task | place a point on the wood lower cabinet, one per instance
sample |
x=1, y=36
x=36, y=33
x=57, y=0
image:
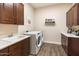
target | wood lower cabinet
x=64, y=42
x=73, y=47
x=70, y=45
x=21, y=48
x=4, y=52
x=25, y=47
x=15, y=49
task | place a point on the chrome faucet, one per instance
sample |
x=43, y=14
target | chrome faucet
x=10, y=35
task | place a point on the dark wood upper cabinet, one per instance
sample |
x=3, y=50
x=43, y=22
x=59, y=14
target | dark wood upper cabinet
x=20, y=13
x=1, y=10
x=8, y=13
x=67, y=19
x=12, y=13
x=72, y=16
x=75, y=14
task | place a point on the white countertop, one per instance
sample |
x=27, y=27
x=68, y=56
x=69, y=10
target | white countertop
x=5, y=42
x=70, y=35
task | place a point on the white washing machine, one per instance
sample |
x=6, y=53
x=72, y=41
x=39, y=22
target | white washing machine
x=36, y=41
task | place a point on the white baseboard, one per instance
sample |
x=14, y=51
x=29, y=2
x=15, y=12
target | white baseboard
x=59, y=43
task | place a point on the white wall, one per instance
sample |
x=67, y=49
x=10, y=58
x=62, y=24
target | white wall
x=52, y=34
x=28, y=15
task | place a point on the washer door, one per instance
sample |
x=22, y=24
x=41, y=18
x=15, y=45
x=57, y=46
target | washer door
x=39, y=41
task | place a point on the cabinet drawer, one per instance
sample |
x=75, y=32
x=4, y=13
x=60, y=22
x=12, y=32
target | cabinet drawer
x=4, y=52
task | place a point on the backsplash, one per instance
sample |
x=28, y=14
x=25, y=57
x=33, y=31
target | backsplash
x=75, y=28
x=6, y=29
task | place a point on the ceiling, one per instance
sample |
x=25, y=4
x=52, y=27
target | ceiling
x=37, y=5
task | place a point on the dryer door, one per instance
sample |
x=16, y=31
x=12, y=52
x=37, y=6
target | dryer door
x=39, y=41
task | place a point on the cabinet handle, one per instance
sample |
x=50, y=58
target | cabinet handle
x=4, y=54
x=6, y=20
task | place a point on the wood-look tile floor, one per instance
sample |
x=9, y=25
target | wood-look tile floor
x=51, y=50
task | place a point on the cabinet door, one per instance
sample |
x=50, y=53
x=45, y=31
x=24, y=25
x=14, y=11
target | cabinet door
x=77, y=13
x=64, y=42
x=1, y=10
x=26, y=47
x=7, y=15
x=15, y=50
x=73, y=48
x=71, y=15
x=67, y=19
x=75, y=7
x=4, y=52
x=20, y=14
x=12, y=13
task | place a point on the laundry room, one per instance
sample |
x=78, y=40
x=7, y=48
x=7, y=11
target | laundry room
x=39, y=29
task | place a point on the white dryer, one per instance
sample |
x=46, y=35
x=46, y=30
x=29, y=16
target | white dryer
x=36, y=41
